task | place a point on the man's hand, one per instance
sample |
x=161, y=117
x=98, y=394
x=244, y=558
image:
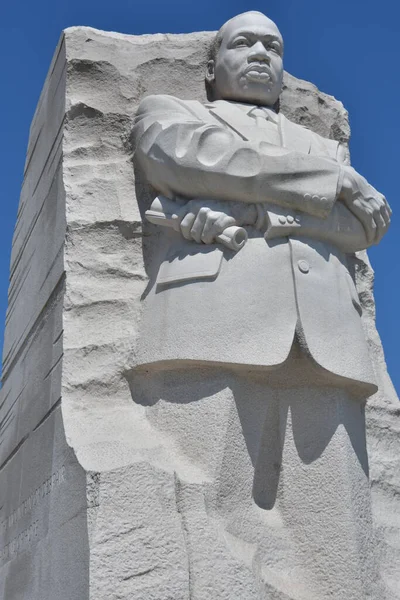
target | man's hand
x=367, y=204
x=202, y=220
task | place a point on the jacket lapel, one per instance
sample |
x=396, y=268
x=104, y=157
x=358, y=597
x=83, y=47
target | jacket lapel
x=232, y=116
x=293, y=137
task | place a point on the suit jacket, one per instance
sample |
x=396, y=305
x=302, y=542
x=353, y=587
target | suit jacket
x=210, y=305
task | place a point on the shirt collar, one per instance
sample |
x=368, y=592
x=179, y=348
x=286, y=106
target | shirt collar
x=270, y=114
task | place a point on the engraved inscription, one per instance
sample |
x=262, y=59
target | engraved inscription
x=25, y=538
x=20, y=542
x=27, y=505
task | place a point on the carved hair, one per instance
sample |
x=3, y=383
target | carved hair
x=217, y=41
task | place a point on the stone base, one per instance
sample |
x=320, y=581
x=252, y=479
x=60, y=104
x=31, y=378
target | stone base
x=272, y=486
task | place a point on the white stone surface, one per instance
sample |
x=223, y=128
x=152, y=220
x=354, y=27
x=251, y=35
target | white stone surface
x=43, y=521
x=247, y=316
x=304, y=439
x=142, y=521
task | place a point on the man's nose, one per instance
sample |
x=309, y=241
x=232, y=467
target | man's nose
x=258, y=52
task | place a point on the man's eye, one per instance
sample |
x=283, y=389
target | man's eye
x=275, y=47
x=241, y=42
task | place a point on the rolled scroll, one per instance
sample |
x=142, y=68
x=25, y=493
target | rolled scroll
x=163, y=211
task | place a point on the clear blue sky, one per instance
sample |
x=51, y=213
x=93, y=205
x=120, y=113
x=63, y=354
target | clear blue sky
x=348, y=48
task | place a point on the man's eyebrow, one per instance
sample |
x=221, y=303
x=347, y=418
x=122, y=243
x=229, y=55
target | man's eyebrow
x=269, y=36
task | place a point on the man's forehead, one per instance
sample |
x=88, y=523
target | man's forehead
x=250, y=22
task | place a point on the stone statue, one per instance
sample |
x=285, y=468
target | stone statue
x=235, y=168
x=184, y=370
x=252, y=290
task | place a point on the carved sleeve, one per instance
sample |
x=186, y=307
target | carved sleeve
x=343, y=155
x=340, y=228
x=182, y=155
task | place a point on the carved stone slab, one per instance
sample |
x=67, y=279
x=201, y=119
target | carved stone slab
x=94, y=500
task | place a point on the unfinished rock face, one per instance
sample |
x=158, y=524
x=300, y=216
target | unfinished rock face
x=95, y=501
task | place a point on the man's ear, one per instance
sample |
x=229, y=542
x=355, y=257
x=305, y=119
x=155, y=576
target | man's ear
x=210, y=71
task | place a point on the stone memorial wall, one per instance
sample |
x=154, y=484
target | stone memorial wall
x=96, y=502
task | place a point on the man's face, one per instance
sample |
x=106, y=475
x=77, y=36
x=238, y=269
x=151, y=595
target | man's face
x=249, y=66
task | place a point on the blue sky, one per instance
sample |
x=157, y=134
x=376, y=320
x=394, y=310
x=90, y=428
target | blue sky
x=348, y=48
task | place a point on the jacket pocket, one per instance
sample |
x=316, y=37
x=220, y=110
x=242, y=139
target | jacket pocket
x=201, y=262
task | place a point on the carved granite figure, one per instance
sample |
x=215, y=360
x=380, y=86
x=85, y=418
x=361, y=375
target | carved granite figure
x=237, y=161
x=251, y=288
x=155, y=441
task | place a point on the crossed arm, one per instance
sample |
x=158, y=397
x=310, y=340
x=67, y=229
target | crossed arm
x=183, y=156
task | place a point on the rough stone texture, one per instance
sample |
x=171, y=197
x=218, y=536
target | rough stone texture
x=120, y=500
x=42, y=486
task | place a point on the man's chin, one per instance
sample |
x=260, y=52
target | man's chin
x=257, y=97
x=256, y=91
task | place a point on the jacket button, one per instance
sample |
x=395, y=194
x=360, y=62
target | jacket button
x=303, y=265
x=282, y=220
x=290, y=219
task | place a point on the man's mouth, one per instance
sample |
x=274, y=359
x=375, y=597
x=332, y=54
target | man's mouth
x=260, y=67
x=258, y=72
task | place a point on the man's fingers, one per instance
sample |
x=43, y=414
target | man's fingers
x=215, y=224
x=386, y=213
x=367, y=204
x=374, y=214
x=370, y=228
x=186, y=215
x=202, y=224
x=380, y=226
x=187, y=224
x=198, y=225
x=210, y=228
x=365, y=215
x=381, y=216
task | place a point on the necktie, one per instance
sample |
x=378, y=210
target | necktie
x=261, y=115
